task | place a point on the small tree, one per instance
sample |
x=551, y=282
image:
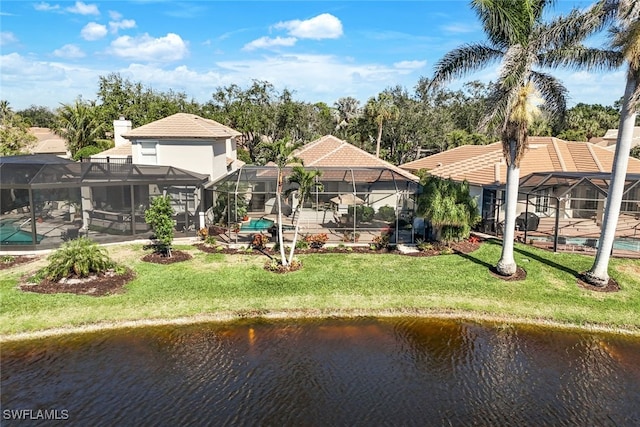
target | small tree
x=159, y=216
x=449, y=207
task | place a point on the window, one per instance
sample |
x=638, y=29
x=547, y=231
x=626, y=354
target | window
x=148, y=153
x=542, y=202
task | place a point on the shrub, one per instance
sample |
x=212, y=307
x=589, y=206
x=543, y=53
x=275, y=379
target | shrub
x=210, y=240
x=203, y=233
x=317, y=240
x=259, y=241
x=302, y=244
x=159, y=216
x=424, y=246
x=79, y=257
x=387, y=213
x=381, y=241
x=7, y=258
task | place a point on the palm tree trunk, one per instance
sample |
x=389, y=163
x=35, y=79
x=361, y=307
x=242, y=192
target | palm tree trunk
x=507, y=265
x=598, y=275
x=379, y=140
x=295, y=233
x=279, y=203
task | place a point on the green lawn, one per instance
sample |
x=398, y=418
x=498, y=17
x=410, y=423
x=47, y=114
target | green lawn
x=237, y=285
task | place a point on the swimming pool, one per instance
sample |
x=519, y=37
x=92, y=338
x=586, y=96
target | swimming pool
x=623, y=244
x=260, y=224
x=13, y=235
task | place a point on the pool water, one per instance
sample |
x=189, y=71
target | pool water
x=623, y=244
x=13, y=235
x=260, y=224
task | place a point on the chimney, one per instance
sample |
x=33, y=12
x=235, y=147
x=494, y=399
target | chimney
x=496, y=171
x=120, y=127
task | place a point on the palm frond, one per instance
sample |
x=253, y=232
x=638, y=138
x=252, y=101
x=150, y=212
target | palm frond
x=552, y=91
x=463, y=60
x=581, y=57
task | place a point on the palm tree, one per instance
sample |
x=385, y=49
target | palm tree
x=307, y=181
x=381, y=110
x=626, y=44
x=79, y=125
x=281, y=153
x=521, y=41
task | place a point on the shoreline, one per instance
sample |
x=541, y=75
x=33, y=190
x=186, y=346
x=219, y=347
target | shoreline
x=229, y=317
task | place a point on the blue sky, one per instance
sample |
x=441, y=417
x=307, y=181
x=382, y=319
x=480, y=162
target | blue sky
x=53, y=52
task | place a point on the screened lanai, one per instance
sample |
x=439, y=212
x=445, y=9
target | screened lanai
x=46, y=200
x=351, y=205
x=567, y=209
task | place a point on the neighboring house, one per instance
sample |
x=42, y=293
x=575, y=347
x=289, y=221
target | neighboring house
x=484, y=167
x=49, y=143
x=610, y=139
x=121, y=152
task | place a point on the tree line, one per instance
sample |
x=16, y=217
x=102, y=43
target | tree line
x=397, y=125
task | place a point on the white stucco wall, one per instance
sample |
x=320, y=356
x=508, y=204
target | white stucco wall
x=208, y=157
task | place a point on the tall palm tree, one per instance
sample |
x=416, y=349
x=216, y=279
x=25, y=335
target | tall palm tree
x=626, y=44
x=381, y=109
x=307, y=181
x=520, y=39
x=79, y=125
x=281, y=153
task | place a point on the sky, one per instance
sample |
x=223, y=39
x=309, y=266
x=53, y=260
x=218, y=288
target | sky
x=54, y=52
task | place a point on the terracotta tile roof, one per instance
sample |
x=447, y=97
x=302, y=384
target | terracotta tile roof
x=123, y=151
x=182, y=126
x=330, y=151
x=484, y=164
x=611, y=137
x=48, y=141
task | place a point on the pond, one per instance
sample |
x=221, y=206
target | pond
x=396, y=371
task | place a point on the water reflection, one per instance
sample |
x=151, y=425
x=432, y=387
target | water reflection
x=328, y=372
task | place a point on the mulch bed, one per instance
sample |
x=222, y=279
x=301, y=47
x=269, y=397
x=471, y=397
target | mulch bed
x=16, y=260
x=158, y=258
x=95, y=285
x=612, y=286
x=463, y=247
x=520, y=274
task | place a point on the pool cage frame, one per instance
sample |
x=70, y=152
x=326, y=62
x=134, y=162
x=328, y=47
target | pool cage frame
x=46, y=196
x=570, y=205
x=347, y=208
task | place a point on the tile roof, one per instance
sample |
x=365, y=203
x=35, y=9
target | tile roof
x=611, y=137
x=329, y=151
x=482, y=164
x=182, y=126
x=48, y=141
x=123, y=150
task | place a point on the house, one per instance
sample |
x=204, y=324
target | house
x=355, y=184
x=610, y=139
x=49, y=143
x=185, y=141
x=483, y=166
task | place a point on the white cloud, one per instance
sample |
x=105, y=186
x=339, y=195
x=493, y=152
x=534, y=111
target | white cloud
x=459, y=28
x=325, y=26
x=409, y=66
x=124, y=24
x=267, y=42
x=146, y=48
x=114, y=15
x=84, y=9
x=7, y=37
x=93, y=31
x=69, y=51
x=46, y=7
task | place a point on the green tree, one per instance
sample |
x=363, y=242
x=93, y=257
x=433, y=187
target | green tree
x=381, y=109
x=39, y=116
x=80, y=125
x=625, y=45
x=15, y=137
x=307, y=182
x=449, y=207
x=518, y=36
x=159, y=216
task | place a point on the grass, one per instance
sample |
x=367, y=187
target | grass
x=330, y=284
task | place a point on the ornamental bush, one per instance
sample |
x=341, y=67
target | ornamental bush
x=79, y=257
x=159, y=216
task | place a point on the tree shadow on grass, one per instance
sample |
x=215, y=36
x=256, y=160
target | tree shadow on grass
x=517, y=248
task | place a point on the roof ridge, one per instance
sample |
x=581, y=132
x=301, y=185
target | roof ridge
x=556, y=149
